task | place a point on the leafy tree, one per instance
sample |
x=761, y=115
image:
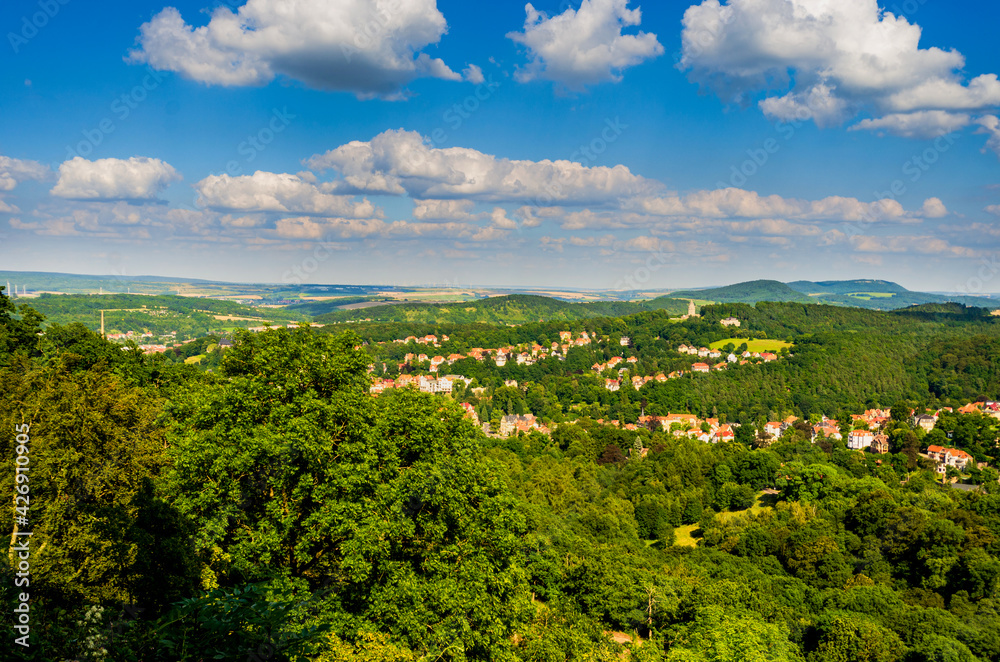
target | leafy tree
x=102, y=529
x=19, y=328
x=295, y=471
x=850, y=638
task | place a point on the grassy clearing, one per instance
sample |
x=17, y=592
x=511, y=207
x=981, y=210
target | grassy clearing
x=868, y=296
x=686, y=537
x=764, y=502
x=753, y=345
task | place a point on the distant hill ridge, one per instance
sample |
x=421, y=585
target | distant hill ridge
x=510, y=309
x=862, y=293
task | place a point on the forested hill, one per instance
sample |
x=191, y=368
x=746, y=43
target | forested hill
x=872, y=294
x=847, y=286
x=276, y=508
x=512, y=309
x=748, y=292
x=188, y=316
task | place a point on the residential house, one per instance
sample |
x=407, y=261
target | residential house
x=828, y=428
x=470, y=413
x=880, y=444
x=926, y=421
x=612, y=384
x=700, y=367
x=948, y=457
x=512, y=424
x=406, y=380
x=380, y=385
x=724, y=433
x=860, y=439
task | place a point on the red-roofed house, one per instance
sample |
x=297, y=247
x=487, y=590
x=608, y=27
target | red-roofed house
x=948, y=457
x=860, y=439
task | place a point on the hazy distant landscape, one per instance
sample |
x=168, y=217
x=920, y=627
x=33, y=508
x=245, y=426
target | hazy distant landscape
x=437, y=331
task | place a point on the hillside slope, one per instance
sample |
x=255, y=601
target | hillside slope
x=748, y=292
x=512, y=309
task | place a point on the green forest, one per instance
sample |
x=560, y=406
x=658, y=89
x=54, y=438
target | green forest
x=188, y=317
x=511, y=309
x=871, y=294
x=265, y=506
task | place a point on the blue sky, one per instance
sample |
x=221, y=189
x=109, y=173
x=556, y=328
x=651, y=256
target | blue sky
x=608, y=144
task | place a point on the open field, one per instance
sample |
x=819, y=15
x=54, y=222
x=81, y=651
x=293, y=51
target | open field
x=685, y=537
x=868, y=296
x=755, y=345
x=234, y=318
x=763, y=503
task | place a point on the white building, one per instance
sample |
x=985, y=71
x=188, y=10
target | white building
x=860, y=439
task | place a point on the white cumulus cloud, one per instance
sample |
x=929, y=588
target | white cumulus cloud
x=281, y=192
x=921, y=124
x=584, y=46
x=990, y=125
x=368, y=47
x=934, y=208
x=136, y=178
x=740, y=203
x=14, y=171
x=834, y=60
x=401, y=162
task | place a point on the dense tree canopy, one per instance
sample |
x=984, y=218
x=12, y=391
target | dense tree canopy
x=268, y=505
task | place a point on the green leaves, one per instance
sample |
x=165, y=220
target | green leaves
x=294, y=470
